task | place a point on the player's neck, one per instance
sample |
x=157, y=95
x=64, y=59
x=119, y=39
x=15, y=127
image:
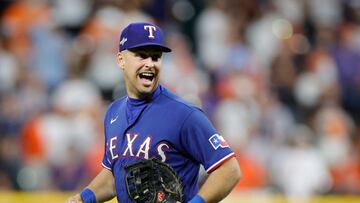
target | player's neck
x=150, y=96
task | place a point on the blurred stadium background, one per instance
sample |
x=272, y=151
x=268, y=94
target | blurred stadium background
x=280, y=79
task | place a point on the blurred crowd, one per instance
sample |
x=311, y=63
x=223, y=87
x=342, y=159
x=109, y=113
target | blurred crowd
x=280, y=79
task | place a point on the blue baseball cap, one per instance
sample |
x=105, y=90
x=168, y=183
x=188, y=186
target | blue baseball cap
x=142, y=34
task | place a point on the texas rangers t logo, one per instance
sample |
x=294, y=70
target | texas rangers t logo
x=151, y=30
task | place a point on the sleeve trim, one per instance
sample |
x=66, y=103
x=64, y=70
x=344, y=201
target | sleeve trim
x=220, y=162
x=108, y=168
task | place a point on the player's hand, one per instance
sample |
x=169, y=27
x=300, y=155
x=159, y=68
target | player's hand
x=75, y=199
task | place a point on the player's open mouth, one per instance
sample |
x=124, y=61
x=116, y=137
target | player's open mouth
x=147, y=76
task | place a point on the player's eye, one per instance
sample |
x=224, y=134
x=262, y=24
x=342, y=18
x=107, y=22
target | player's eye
x=155, y=57
x=142, y=55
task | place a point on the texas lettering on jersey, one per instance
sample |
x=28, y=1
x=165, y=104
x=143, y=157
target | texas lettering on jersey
x=141, y=150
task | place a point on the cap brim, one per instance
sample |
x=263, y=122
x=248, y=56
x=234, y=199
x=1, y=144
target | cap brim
x=162, y=48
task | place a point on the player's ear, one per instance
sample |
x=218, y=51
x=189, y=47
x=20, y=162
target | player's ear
x=120, y=60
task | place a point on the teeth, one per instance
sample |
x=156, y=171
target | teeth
x=148, y=74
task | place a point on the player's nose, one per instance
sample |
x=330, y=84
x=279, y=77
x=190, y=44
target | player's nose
x=149, y=62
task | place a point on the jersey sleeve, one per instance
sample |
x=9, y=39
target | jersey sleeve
x=105, y=162
x=106, y=159
x=203, y=142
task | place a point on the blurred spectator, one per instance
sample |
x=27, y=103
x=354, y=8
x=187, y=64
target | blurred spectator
x=237, y=112
x=347, y=57
x=47, y=58
x=264, y=44
x=17, y=24
x=254, y=172
x=9, y=67
x=282, y=78
x=212, y=37
x=334, y=127
x=298, y=168
x=62, y=138
x=71, y=14
x=346, y=175
x=11, y=119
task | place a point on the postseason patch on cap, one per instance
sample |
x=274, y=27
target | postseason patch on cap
x=218, y=141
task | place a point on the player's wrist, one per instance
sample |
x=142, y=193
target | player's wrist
x=197, y=199
x=88, y=196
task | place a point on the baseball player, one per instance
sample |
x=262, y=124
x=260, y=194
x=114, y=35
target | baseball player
x=152, y=122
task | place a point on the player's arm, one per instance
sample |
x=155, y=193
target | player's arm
x=102, y=186
x=220, y=182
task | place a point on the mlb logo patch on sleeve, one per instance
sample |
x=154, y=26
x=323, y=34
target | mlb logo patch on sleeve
x=218, y=141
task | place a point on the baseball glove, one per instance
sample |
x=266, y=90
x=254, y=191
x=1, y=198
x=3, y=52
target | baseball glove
x=152, y=181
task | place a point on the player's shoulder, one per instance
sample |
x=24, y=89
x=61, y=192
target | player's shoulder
x=115, y=106
x=174, y=101
x=116, y=103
